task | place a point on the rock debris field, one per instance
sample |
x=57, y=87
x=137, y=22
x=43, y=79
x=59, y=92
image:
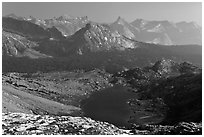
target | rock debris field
x=29, y=124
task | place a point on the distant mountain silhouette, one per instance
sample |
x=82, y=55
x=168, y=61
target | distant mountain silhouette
x=168, y=33
x=160, y=32
x=28, y=29
x=157, y=32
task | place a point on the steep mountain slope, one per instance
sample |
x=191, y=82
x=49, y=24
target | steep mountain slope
x=15, y=100
x=125, y=28
x=18, y=46
x=99, y=38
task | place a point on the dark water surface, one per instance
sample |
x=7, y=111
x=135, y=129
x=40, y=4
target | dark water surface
x=109, y=105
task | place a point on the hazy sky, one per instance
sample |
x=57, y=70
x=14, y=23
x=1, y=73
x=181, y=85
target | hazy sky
x=108, y=12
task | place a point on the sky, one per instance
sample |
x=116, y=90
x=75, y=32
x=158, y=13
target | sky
x=106, y=12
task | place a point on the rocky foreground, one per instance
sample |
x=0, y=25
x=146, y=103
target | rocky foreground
x=29, y=124
x=182, y=128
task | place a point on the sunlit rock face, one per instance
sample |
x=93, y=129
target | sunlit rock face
x=18, y=46
x=100, y=37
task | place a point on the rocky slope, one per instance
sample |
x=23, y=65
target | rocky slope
x=18, y=46
x=168, y=92
x=140, y=78
x=182, y=128
x=60, y=92
x=183, y=97
x=28, y=124
x=99, y=37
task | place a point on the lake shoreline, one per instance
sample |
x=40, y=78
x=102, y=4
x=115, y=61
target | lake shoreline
x=123, y=93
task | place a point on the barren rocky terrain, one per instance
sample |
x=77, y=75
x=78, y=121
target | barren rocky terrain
x=59, y=95
x=65, y=90
x=29, y=124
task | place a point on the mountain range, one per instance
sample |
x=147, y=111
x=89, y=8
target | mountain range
x=67, y=43
x=157, y=32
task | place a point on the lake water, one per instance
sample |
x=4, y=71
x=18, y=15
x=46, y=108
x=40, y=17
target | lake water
x=109, y=105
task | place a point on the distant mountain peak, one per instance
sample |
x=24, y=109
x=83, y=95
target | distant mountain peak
x=99, y=37
x=65, y=17
x=11, y=15
x=14, y=16
x=31, y=18
x=120, y=20
x=70, y=17
x=163, y=62
x=124, y=28
x=140, y=20
x=163, y=66
x=192, y=24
